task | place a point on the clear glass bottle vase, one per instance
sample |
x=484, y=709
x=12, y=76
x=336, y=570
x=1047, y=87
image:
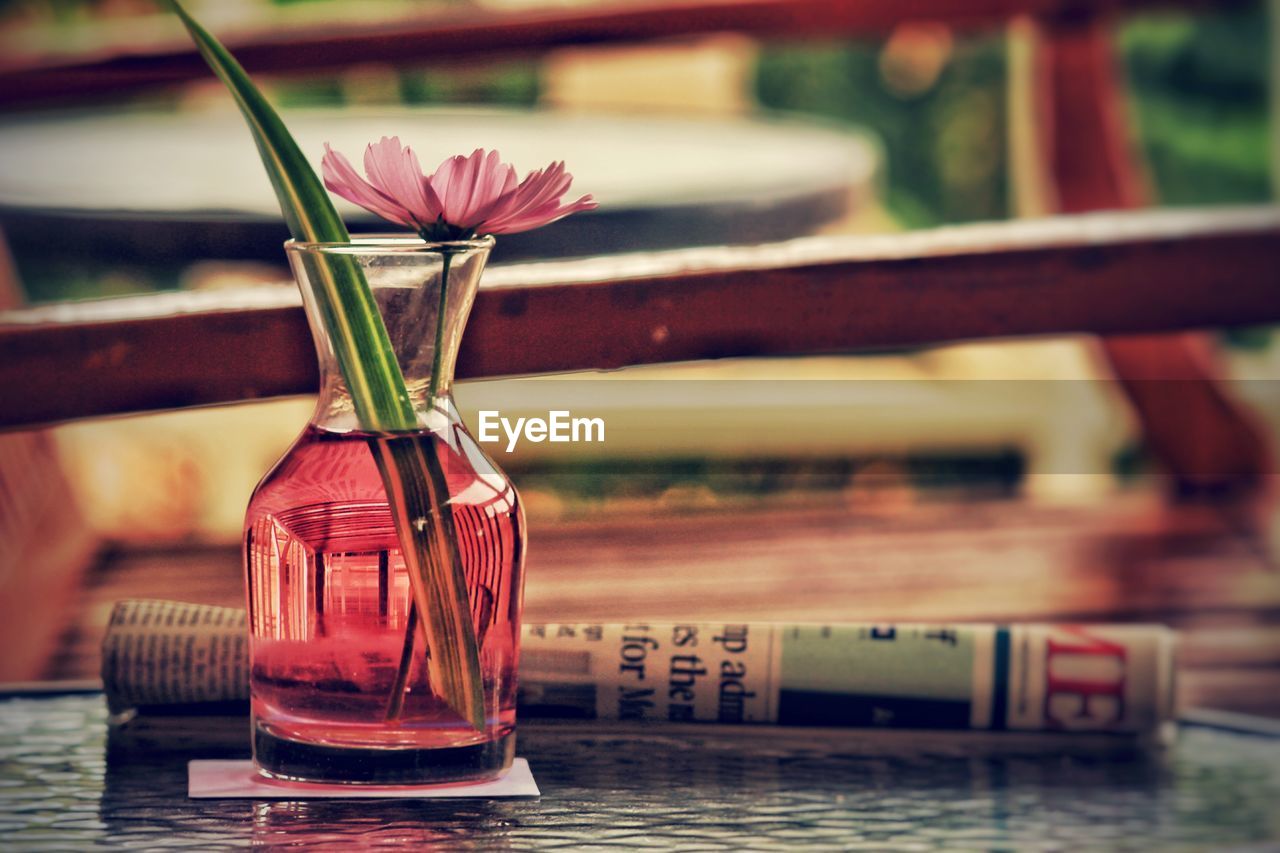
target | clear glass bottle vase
x=339, y=678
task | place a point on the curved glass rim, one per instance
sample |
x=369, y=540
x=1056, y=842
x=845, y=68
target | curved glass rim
x=364, y=244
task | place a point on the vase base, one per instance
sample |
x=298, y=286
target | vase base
x=296, y=761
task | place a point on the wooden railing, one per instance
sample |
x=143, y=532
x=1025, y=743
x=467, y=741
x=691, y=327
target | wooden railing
x=1104, y=273
x=462, y=33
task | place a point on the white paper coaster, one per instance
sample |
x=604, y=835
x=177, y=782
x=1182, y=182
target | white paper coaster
x=217, y=779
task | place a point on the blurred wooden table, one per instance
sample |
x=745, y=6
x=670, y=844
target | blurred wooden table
x=166, y=189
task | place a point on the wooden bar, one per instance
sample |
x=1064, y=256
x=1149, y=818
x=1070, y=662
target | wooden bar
x=455, y=34
x=1211, y=443
x=1100, y=273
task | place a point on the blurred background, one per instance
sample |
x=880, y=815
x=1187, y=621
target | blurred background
x=895, y=486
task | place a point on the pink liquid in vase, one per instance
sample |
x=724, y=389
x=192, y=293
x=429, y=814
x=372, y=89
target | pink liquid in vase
x=330, y=606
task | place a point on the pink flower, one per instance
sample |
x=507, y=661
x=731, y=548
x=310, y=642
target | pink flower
x=466, y=196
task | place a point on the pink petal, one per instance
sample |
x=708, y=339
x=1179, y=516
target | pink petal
x=341, y=178
x=535, y=202
x=499, y=184
x=444, y=181
x=470, y=186
x=541, y=216
x=395, y=171
x=433, y=201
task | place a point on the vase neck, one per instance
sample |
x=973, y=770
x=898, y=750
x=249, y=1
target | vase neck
x=423, y=295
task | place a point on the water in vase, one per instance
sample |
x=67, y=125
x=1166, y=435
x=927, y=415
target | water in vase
x=330, y=602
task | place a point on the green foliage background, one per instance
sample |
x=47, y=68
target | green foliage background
x=1199, y=86
x=944, y=148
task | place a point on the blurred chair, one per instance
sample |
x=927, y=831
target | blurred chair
x=45, y=546
x=1213, y=445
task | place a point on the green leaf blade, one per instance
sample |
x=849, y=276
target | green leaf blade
x=413, y=480
x=306, y=206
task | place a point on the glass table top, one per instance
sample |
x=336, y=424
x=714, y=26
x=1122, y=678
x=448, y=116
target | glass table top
x=65, y=784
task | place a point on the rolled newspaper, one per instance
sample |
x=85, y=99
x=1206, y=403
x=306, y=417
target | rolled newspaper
x=171, y=653
x=1063, y=678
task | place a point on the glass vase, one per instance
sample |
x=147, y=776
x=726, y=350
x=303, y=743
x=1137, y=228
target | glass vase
x=340, y=683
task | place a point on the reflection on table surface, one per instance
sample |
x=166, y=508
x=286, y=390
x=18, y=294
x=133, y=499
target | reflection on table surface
x=65, y=786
